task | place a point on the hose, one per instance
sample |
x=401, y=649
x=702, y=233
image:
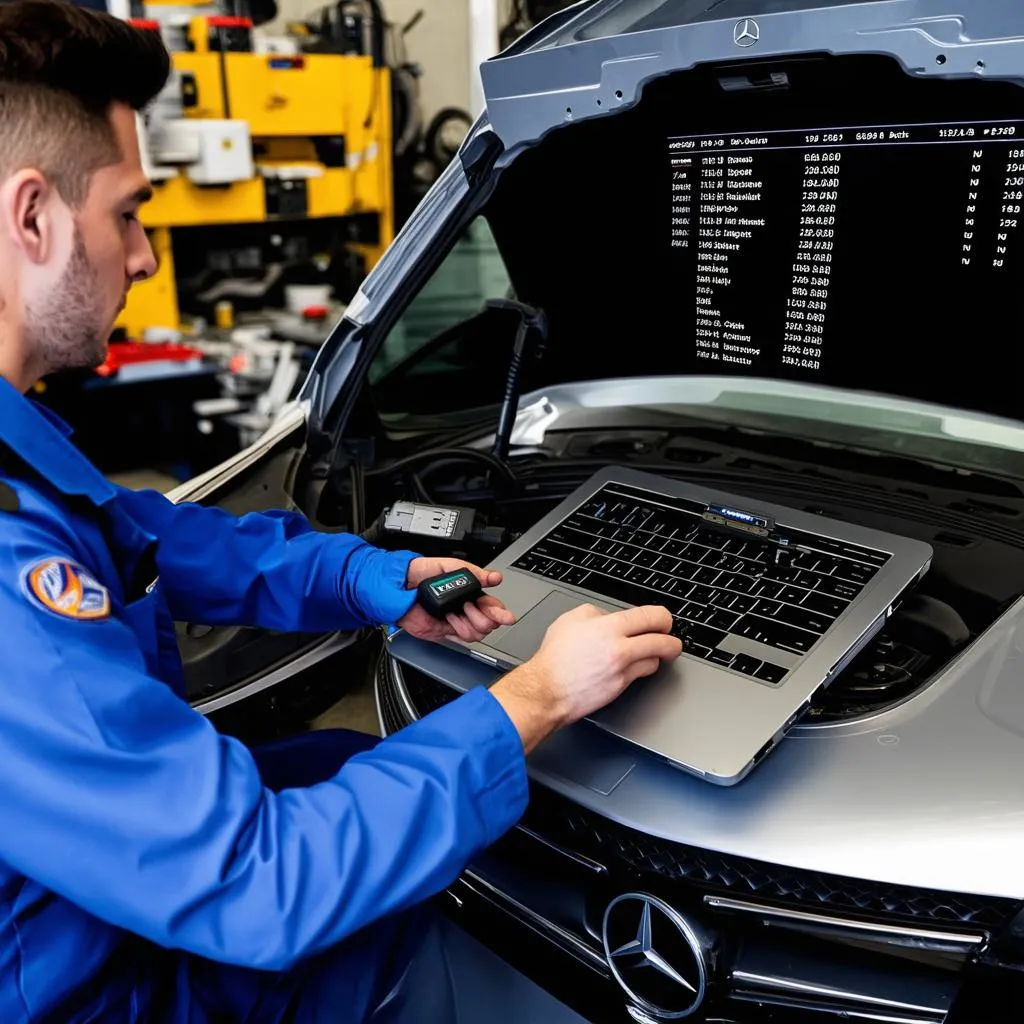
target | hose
x=448, y=455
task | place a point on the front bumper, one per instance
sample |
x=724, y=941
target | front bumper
x=777, y=944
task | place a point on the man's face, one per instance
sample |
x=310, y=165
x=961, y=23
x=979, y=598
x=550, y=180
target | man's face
x=100, y=250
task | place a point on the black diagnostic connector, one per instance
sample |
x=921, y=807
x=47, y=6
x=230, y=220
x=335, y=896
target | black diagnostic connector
x=439, y=530
x=449, y=592
x=438, y=522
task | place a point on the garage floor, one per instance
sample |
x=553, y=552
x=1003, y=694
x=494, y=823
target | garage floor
x=144, y=479
x=356, y=710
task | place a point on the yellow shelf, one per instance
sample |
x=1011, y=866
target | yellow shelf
x=180, y=203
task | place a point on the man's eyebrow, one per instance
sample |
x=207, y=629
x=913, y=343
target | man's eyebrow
x=141, y=195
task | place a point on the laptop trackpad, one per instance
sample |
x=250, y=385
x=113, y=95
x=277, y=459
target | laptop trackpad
x=523, y=639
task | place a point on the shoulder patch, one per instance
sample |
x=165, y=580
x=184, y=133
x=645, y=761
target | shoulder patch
x=60, y=586
x=9, y=499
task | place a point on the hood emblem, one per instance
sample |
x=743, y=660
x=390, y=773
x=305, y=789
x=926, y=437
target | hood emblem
x=655, y=956
x=746, y=32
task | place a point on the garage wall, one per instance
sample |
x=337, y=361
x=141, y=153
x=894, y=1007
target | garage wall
x=440, y=44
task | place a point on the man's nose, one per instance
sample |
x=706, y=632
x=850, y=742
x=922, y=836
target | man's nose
x=142, y=261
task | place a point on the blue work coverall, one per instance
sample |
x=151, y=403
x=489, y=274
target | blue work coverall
x=147, y=873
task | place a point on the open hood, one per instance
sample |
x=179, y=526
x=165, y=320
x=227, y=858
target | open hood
x=772, y=191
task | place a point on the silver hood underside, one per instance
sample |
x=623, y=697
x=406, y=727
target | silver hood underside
x=595, y=64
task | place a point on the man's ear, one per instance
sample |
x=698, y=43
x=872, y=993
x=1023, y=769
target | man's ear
x=27, y=213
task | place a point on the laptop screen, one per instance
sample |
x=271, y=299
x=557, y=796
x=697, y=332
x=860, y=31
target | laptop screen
x=834, y=220
x=809, y=250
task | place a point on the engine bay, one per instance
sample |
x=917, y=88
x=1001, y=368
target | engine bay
x=974, y=523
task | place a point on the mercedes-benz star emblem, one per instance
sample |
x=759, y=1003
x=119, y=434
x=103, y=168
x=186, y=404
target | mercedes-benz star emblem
x=746, y=33
x=655, y=956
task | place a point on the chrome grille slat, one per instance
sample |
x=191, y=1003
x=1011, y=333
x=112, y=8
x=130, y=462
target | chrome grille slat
x=954, y=943
x=836, y=995
x=573, y=944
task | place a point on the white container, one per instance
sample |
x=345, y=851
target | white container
x=300, y=297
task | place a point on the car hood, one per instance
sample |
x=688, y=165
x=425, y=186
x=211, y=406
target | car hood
x=873, y=798
x=586, y=82
x=588, y=69
x=596, y=49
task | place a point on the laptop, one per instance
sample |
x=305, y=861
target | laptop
x=771, y=604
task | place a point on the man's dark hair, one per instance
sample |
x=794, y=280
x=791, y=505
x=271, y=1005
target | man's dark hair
x=61, y=69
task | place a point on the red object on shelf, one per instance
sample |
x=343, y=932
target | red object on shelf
x=146, y=23
x=223, y=21
x=315, y=313
x=130, y=353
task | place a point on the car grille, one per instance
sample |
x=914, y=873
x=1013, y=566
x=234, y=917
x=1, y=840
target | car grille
x=393, y=717
x=592, y=835
x=719, y=873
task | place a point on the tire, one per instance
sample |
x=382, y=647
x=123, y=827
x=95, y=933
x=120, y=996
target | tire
x=436, y=139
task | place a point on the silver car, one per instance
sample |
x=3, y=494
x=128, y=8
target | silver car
x=772, y=245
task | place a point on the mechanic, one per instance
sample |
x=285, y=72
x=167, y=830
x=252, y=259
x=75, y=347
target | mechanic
x=151, y=868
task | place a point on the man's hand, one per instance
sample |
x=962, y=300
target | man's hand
x=586, y=660
x=477, y=619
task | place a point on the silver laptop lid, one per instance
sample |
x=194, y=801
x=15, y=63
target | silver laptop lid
x=714, y=712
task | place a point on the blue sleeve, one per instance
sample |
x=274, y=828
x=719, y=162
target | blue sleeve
x=119, y=797
x=269, y=569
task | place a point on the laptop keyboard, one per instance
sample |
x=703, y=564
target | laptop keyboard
x=641, y=548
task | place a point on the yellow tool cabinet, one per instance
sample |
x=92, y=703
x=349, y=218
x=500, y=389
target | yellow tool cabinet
x=291, y=104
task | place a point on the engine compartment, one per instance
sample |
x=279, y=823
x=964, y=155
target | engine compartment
x=974, y=523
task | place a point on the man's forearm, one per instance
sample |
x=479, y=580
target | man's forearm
x=530, y=702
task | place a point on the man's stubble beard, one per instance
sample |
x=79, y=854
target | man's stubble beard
x=61, y=329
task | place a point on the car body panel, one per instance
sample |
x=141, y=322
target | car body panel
x=925, y=794
x=290, y=420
